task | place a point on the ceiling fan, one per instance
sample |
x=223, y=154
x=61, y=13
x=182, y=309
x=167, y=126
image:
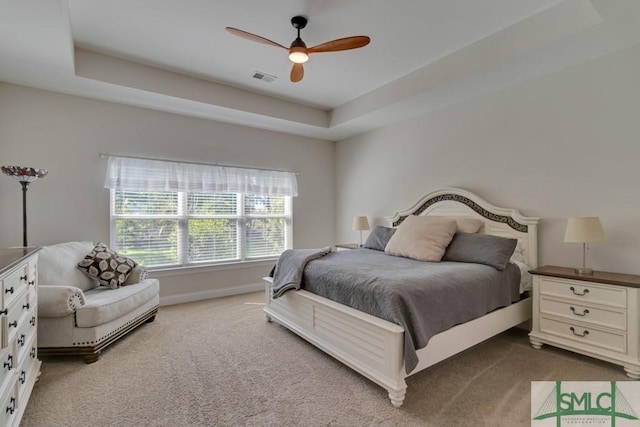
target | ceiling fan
x=298, y=51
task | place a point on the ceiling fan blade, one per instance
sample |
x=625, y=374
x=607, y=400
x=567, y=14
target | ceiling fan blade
x=341, y=44
x=253, y=37
x=297, y=73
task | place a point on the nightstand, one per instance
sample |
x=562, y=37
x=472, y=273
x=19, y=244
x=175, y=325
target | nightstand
x=595, y=315
x=346, y=246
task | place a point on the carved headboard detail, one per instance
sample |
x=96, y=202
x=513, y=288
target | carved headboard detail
x=455, y=202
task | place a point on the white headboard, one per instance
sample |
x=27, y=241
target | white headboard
x=505, y=222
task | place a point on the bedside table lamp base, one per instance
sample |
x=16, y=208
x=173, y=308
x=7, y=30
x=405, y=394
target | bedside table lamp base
x=584, y=270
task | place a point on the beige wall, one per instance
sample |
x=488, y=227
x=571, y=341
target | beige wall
x=65, y=134
x=563, y=145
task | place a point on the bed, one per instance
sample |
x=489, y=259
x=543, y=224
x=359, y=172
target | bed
x=375, y=347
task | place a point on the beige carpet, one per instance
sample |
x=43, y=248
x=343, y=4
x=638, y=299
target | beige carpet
x=218, y=363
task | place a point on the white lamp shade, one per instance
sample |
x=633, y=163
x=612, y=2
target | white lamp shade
x=584, y=230
x=360, y=223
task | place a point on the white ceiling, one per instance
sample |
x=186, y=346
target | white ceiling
x=424, y=54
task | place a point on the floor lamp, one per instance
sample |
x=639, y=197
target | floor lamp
x=25, y=176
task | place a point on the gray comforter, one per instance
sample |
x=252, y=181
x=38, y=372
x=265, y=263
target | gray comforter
x=425, y=298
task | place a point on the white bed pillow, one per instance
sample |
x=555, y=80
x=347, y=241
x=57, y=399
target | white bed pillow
x=468, y=225
x=422, y=238
x=518, y=253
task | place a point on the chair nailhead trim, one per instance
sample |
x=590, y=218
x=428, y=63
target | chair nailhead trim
x=102, y=338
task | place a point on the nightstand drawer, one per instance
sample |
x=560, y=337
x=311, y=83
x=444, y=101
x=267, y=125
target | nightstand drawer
x=587, y=335
x=586, y=292
x=609, y=318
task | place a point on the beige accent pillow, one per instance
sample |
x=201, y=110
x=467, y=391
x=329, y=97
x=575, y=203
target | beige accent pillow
x=469, y=225
x=422, y=238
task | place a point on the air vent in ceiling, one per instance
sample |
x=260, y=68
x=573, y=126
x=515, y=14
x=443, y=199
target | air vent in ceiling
x=268, y=78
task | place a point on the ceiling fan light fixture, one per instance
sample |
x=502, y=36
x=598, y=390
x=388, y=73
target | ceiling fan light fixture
x=298, y=51
x=298, y=55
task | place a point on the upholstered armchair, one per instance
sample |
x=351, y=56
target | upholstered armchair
x=78, y=315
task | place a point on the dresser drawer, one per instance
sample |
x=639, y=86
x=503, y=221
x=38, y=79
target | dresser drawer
x=9, y=404
x=8, y=362
x=26, y=334
x=27, y=371
x=17, y=313
x=587, y=335
x=614, y=296
x=14, y=284
x=588, y=314
x=8, y=357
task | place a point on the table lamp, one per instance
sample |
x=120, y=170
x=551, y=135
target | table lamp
x=360, y=223
x=584, y=230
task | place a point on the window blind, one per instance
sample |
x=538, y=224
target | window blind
x=136, y=174
x=167, y=229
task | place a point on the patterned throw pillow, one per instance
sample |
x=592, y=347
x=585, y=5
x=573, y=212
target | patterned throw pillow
x=106, y=266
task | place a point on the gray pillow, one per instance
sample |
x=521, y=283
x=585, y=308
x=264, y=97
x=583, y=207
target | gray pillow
x=379, y=237
x=480, y=249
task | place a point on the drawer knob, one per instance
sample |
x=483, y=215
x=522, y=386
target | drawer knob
x=33, y=321
x=24, y=277
x=14, y=324
x=23, y=377
x=586, y=291
x=32, y=353
x=32, y=282
x=584, y=334
x=21, y=340
x=584, y=313
x=5, y=311
x=12, y=408
x=8, y=290
x=26, y=306
x=9, y=363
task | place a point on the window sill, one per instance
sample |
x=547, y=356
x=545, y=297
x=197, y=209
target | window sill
x=197, y=269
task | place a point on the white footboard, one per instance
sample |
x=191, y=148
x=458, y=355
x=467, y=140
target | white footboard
x=368, y=345
x=374, y=347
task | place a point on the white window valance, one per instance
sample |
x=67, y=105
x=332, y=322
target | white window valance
x=136, y=174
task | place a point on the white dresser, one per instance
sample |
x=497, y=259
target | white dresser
x=18, y=352
x=595, y=315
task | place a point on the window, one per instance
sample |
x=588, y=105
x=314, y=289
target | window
x=170, y=229
x=168, y=214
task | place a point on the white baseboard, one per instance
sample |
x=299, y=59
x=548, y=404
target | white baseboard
x=213, y=293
